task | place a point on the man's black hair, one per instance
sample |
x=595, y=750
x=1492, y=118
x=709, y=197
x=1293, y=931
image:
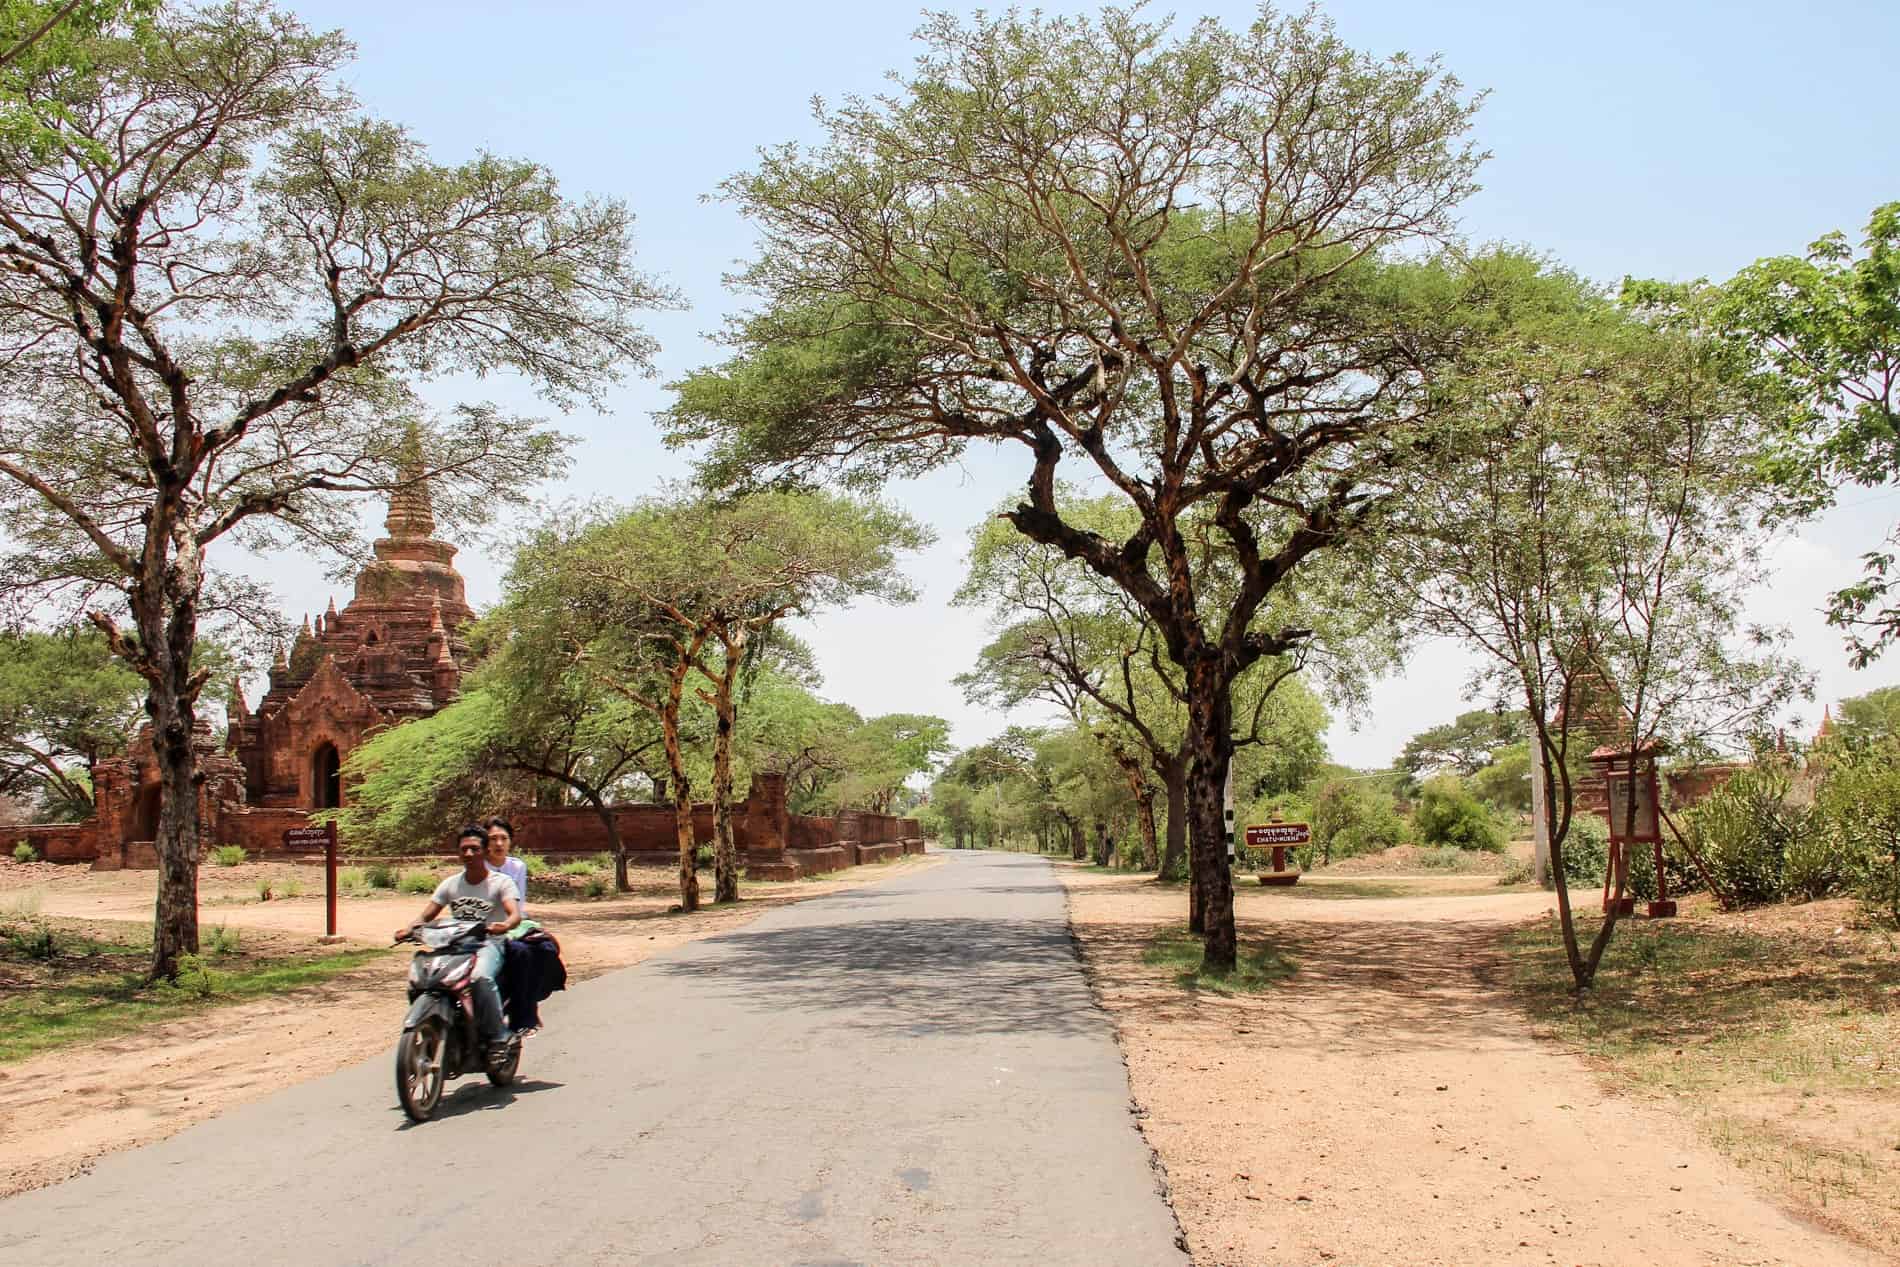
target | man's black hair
x=476, y=830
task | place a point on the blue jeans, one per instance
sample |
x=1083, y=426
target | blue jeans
x=487, y=993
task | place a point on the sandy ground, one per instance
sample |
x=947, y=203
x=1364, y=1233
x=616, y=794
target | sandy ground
x=62, y=1110
x=1387, y=1104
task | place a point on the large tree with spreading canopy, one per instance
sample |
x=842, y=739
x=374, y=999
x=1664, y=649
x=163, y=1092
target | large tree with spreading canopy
x=1191, y=269
x=212, y=295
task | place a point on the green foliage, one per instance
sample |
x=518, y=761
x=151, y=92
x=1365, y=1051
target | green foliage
x=580, y=866
x=1351, y=818
x=220, y=941
x=35, y=939
x=265, y=892
x=23, y=852
x=1745, y=828
x=1823, y=330
x=1448, y=814
x=229, y=855
x=351, y=880
x=416, y=882
x=380, y=875
x=1505, y=783
x=534, y=863
x=1874, y=715
x=194, y=977
x=595, y=887
x=1858, y=804
x=1517, y=871
x=65, y=702
x=1464, y=745
x=1586, y=848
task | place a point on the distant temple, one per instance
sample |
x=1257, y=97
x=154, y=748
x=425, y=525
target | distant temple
x=395, y=652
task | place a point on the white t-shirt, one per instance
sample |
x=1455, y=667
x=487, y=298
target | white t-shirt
x=517, y=870
x=479, y=900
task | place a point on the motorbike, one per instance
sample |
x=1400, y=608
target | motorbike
x=440, y=1037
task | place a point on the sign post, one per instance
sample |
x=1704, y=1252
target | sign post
x=1278, y=837
x=1633, y=808
x=303, y=839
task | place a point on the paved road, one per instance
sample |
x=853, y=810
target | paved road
x=909, y=1072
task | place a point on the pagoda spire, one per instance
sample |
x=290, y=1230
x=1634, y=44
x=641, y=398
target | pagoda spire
x=411, y=510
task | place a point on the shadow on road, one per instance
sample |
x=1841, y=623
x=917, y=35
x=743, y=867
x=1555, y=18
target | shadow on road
x=478, y=1097
x=909, y=976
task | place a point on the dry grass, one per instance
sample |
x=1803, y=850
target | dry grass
x=1778, y=1032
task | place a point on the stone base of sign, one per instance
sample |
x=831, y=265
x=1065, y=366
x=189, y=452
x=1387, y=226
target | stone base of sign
x=1279, y=879
x=1661, y=910
x=333, y=939
x=1626, y=907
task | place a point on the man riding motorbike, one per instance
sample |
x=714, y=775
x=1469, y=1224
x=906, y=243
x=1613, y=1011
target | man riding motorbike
x=478, y=893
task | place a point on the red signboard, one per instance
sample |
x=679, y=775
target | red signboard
x=1266, y=835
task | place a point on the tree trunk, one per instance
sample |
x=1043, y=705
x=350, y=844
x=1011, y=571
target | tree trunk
x=682, y=792
x=614, y=842
x=1210, y=746
x=1078, y=842
x=725, y=852
x=165, y=610
x=1174, y=779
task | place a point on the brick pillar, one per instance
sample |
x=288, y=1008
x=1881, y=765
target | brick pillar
x=766, y=828
x=850, y=832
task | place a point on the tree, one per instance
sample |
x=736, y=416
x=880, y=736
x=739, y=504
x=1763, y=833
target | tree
x=1171, y=260
x=1068, y=636
x=1874, y=715
x=1824, y=328
x=882, y=753
x=41, y=39
x=529, y=717
x=1590, y=527
x=209, y=294
x=65, y=703
x=682, y=586
x=1462, y=746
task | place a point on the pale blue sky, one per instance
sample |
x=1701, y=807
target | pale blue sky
x=1661, y=139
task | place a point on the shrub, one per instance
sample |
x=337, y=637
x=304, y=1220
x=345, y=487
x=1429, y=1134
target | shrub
x=350, y=880
x=23, y=852
x=604, y=861
x=290, y=888
x=702, y=857
x=1858, y=806
x=221, y=941
x=416, y=882
x=194, y=977
x=228, y=855
x=1744, y=829
x=36, y=940
x=1442, y=858
x=535, y=863
x=379, y=875
x=596, y=886
x=1350, y=818
x=264, y=890
x=1517, y=871
x=1447, y=814
x=580, y=866
x=1586, y=848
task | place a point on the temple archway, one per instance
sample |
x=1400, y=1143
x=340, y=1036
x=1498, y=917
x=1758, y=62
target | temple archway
x=326, y=779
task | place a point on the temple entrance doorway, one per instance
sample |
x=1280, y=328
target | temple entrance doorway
x=326, y=783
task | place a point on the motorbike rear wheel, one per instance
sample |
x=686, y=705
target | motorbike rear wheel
x=502, y=1072
x=419, y=1071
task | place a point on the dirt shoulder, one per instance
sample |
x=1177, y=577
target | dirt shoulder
x=1389, y=1104
x=62, y=1110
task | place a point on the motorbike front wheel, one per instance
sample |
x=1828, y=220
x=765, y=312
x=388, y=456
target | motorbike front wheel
x=419, y=1068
